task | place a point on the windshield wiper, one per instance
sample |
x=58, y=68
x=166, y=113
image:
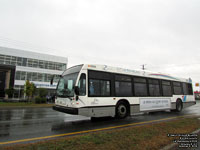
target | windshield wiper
x=64, y=96
x=65, y=93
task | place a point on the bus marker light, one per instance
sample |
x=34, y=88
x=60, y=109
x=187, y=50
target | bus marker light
x=114, y=98
x=93, y=66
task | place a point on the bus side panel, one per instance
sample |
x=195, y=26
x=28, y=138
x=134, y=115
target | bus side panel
x=135, y=109
x=97, y=111
x=187, y=100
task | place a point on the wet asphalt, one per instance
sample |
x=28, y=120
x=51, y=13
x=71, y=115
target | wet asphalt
x=23, y=123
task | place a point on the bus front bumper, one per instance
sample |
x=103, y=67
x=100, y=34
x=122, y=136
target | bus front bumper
x=68, y=110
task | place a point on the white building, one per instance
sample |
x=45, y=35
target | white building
x=35, y=67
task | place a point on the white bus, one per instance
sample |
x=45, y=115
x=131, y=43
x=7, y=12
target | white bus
x=100, y=90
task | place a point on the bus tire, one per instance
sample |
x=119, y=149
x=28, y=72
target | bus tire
x=121, y=110
x=179, y=106
x=93, y=119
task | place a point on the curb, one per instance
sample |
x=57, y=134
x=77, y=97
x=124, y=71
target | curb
x=170, y=146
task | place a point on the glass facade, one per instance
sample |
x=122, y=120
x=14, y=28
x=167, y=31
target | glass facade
x=19, y=91
x=28, y=62
x=35, y=76
x=32, y=76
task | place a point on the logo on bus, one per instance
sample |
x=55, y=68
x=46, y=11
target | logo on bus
x=105, y=67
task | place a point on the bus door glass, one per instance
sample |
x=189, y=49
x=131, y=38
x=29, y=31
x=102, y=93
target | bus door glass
x=82, y=85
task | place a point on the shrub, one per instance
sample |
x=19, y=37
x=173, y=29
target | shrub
x=43, y=100
x=42, y=92
x=29, y=89
x=40, y=100
x=37, y=100
x=10, y=92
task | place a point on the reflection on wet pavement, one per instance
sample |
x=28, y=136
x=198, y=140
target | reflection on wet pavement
x=23, y=123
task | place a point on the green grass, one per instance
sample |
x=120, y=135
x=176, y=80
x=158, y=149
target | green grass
x=146, y=137
x=22, y=104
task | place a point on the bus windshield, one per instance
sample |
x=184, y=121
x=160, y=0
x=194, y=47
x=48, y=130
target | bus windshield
x=66, y=85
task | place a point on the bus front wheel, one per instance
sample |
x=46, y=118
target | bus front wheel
x=121, y=110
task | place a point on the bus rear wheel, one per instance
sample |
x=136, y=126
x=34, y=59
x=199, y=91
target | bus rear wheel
x=121, y=110
x=179, y=106
x=93, y=119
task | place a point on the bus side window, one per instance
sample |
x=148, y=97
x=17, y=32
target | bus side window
x=99, y=88
x=177, y=88
x=140, y=86
x=154, y=87
x=185, y=89
x=82, y=85
x=91, y=87
x=190, y=90
x=166, y=88
x=123, y=85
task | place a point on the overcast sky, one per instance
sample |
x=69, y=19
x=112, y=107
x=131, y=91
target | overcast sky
x=163, y=34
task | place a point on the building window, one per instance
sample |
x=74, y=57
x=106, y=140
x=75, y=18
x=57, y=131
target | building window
x=63, y=67
x=13, y=60
x=29, y=76
x=7, y=60
x=23, y=75
x=56, y=78
x=40, y=77
x=45, y=77
x=24, y=62
x=51, y=66
x=17, y=75
x=19, y=61
x=35, y=63
x=41, y=64
x=59, y=66
x=34, y=76
x=30, y=62
x=49, y=76
x=46, y=64
x=2, y=59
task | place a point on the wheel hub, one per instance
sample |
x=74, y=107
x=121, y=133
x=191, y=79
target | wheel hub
x=122, y=110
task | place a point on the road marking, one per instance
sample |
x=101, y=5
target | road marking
x=88, y=131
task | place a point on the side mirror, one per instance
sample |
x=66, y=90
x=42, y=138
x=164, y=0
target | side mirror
x=76, y=90
x=51, y=82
